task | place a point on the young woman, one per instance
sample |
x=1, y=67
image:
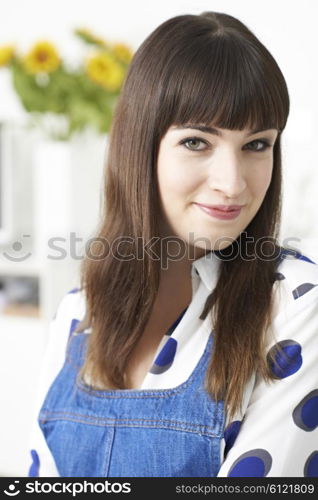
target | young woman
x=190, y=349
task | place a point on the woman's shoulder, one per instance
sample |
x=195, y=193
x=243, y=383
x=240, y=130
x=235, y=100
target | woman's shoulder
x=298, y=272
x=71, y=308
x=296, y=284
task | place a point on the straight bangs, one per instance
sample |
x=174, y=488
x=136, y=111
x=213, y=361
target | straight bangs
x=230, y=84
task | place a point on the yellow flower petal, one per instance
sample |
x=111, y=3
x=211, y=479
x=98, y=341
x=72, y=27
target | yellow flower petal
x=123, y=52
x=105, y=71
x=42, y=58
x=6, y=54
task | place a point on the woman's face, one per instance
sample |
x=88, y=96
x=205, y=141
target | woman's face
x=200, y=165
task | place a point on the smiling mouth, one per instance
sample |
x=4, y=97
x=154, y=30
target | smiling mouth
x=223, y=208
x=219, y=214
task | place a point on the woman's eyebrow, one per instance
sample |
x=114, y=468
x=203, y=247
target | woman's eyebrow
x=212, y=130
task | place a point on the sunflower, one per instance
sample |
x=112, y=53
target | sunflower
x=6, y=54
x=42, y=58
x=103, y=69
x=123, y=52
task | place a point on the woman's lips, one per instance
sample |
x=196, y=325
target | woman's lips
x=221, y=214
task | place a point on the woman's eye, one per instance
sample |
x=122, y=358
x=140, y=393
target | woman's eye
x=259, y=145
x=193, y=143
x=197, y=144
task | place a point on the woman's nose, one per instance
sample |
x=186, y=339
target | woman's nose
x=227, y=175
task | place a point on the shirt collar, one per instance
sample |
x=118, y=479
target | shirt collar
x=208, y=267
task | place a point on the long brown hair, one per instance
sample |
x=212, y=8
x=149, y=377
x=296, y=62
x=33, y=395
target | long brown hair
x=207, y=68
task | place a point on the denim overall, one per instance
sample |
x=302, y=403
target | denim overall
x=172, y=432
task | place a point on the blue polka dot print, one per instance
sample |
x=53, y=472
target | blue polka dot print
x=34, y=469
x=165, y=358
x=306, y=259
x=253, y=463
x=305, y=415
x=288, y=361
x=311, y=465
x=302, y=289
x=74, y=290
x=230, y=435
x=174, y=325
x=285, y=252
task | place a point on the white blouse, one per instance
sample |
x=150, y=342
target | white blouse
x=277, y=429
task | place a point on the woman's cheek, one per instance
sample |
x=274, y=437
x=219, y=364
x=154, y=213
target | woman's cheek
x=186, y=179
x=261, y=180
x=177, y=179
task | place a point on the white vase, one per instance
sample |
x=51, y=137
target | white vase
x=68, y=188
